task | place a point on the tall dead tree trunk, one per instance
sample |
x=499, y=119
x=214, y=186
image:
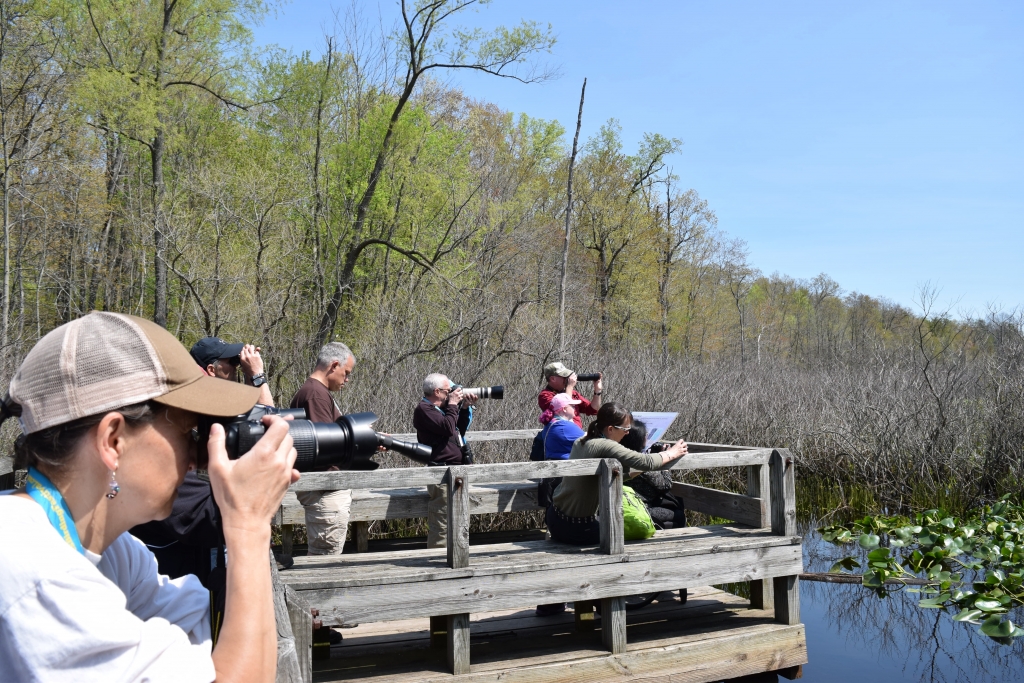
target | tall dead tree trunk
x=157, y=156
x=568, y=218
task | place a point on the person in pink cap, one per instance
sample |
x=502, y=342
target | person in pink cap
x=560, y=431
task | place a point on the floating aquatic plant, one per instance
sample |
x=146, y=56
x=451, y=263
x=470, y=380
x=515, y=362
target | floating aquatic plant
x=974, y=564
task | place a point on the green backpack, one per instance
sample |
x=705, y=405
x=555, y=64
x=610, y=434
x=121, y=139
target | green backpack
x=636, y=520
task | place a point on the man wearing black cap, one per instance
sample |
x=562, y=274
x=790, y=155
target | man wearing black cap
x=217, y=358
x=191, y=540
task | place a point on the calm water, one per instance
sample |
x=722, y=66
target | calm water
x=855, y=637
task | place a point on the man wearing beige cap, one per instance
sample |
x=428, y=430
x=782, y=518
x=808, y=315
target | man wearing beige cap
x=562, y=380
x=108, y=406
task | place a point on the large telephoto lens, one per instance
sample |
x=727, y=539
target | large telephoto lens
x=592, y=377
x=348, y=444
x=497, y=392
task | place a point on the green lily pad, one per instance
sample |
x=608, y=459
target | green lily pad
x=869, y=541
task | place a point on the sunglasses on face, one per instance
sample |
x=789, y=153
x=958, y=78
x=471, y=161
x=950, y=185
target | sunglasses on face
x=623, y=429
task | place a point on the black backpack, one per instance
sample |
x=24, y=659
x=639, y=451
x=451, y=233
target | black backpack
x=537, y=449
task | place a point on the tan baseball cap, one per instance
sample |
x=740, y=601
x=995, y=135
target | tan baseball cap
x=556, y=369
x=104, y=361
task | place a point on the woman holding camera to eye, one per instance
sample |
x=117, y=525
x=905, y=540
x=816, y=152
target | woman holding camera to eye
x=108, y=406
x=572, y=515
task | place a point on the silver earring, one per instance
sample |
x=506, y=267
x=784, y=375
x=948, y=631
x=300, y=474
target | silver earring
x=114, y=488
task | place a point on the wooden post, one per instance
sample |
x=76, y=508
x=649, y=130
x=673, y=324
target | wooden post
x=458, y=642
x=783, y=492
x=288, y=670
x=362, y=534
x=613, y=624
x=583, y=611
x=458, y=558
x=610, y=491
x=758, y=486
x=302, y=631
x=458, y=517
x=287, y=536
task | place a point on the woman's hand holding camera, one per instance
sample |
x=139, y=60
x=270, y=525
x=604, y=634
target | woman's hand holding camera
x=249, y=490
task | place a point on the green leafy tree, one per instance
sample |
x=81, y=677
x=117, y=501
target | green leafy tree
x=139, y=60
x=424, y=47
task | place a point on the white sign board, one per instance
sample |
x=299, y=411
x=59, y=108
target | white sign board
x=657, y=425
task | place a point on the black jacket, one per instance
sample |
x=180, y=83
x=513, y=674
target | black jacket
x=441, y=429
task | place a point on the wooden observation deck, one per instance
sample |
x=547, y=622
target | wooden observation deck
x=466, y=612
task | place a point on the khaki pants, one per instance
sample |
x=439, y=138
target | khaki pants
x=437, y=516
x=326, y=520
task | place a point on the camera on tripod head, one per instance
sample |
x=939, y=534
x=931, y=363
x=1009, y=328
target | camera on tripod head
x=348, y=444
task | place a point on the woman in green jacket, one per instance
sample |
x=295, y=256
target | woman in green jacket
x=572, y=515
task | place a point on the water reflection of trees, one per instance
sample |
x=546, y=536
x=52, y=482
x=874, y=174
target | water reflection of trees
x=927, y=644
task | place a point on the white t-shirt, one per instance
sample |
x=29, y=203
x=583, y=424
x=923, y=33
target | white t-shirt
x=65, y=616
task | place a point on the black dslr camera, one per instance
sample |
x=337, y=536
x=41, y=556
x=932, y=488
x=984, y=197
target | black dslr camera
x=348, y=444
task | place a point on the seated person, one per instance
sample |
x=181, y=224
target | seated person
x=558, y=435
x=654, y=488
x=572, y=515
x=560, y=431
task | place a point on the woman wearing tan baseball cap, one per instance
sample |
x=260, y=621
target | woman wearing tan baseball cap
x=108, y=406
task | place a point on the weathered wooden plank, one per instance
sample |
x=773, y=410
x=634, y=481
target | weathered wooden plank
x=378, y=637
x=458, y=519
x=494, y=435
x=783, y=492
x=287, y=539
x=356, y=571
x=361, y=531
x=402, y=477
x=733, y=458
x=732, y=506
x=401, y=600
x=613, y=624
x=495, y=473
x=610, y=510
x=729, y=652
x=759, y=486
x=301, y=620
x=408, y=503
x=787, y=599
x=783, y=484
x=520, y=434
x=698, y=447
x=458, y=643
x=288, y=670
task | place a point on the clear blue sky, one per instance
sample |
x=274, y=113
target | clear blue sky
x=879, y=142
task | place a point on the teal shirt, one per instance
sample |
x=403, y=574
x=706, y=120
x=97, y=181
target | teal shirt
x=578, y=496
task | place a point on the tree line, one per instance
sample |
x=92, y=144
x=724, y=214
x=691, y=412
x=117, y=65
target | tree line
x=155, y=162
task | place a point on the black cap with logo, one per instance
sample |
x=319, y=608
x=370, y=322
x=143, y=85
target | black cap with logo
x=209, y=349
